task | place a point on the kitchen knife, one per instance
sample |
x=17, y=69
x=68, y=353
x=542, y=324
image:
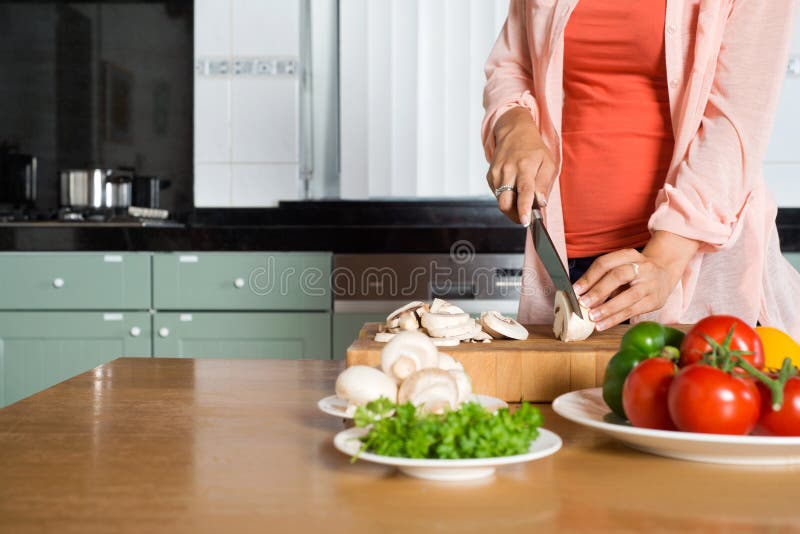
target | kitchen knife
x=552, y=262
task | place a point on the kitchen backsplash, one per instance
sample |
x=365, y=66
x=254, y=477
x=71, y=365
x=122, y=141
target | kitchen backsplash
x=397, y=67
x=247, y=102
x=782, y=161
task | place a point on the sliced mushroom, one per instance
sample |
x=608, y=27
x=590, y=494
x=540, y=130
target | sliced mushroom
x=408, y=321
x=413, y=305
x=406, y=353
x=438, y=321
x=360, y=384
x=567, y=326
x=395, y=319
x=433, y=390
x=500, y=326
x=442, y=306
x=445, y=341
x=482, y=336
x=467, y=328
x=448, y=363
x=384, y=337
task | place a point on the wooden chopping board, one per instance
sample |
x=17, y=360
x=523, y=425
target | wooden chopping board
x=538, y=369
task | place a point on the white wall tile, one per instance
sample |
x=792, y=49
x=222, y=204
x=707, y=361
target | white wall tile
x=257, y=185
x=353, y=135
x=411, y=76
x=266, y=27
x=212, y=185
x=783, y=143
x=783, y=181
x=264, y=120
x=212, y=128
x=212, y=28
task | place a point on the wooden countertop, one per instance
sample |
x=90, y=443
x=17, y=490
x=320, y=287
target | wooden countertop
x=170, y=445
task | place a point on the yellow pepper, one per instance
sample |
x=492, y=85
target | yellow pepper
x=777, y=346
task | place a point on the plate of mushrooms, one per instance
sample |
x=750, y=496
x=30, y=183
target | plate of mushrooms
x=412, y=370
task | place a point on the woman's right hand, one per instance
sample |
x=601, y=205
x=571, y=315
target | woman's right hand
x=521, y=159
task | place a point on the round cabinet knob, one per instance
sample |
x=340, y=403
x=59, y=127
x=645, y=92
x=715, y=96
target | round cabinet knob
x=136, y=331
x=58, y=283
x=163, y=331
x=239, y=283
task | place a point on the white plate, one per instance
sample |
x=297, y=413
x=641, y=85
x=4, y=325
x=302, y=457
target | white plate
x=586, y=407
x=447, y=470
x=335, y=406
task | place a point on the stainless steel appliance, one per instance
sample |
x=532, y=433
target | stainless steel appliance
x=366, y=287
x=84, y=188
x=118, y=191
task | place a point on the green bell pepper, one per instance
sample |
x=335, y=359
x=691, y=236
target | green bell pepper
x=641, y=341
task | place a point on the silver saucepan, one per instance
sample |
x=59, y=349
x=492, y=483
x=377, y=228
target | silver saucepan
x=84, y=188
x=119, y=191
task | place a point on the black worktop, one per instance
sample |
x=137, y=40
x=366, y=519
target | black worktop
x=433, y=226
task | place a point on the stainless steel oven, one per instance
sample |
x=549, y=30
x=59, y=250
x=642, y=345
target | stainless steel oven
x=366, y=287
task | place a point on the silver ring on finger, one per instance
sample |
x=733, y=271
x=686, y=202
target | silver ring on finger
x=635, y=269
x=503, y=188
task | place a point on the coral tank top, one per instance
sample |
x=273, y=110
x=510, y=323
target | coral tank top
x=616, y=131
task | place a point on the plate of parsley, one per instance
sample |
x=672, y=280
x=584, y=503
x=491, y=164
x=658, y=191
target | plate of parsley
x=464, y=444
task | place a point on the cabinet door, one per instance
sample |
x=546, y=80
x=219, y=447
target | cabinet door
x=41, y=349
x=247, y=281
x=242, y=335
x=346, y=327
x=794, y=259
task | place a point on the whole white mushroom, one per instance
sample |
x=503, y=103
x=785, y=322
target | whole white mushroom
x=432, y=390
x=448, y=363
x=361, y=384
x=406, y=353
x=464, y=384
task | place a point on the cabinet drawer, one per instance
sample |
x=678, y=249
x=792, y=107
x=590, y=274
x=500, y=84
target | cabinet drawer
x=250, y=281
x=295, y=335
x=67, y=281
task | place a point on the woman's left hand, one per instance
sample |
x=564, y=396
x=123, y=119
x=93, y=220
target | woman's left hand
x=626, y=283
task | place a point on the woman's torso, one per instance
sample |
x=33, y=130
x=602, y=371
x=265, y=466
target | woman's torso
x=616, y=129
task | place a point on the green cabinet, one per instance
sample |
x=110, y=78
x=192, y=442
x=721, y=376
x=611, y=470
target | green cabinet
x=74, y=281
x=794, y=259
x=248, y=281
x=242, y=335
x=221, y=305
x=40, y=349
x=346, y=327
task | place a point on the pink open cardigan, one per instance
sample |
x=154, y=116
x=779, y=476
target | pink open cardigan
x=726, y=60
x=725, y=64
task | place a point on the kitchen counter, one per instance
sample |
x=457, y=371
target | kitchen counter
x=181, y=445
x=331, y=238
x=432, y=226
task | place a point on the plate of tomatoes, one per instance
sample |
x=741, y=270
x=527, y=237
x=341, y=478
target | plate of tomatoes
x=704, y=396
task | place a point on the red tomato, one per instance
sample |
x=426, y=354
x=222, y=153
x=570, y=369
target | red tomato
x=705, y=399
x=786, y=421
x=644, y=394
x=717, y=327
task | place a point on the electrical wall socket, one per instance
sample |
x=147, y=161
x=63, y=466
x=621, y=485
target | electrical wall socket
x=247, y=66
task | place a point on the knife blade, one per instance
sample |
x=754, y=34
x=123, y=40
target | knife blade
x=551, y=260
